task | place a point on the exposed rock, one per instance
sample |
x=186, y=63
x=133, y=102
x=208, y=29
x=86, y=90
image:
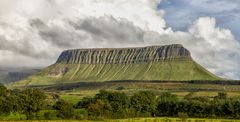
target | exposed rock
x=152, y=63
x=58, y=72
x=124, y=55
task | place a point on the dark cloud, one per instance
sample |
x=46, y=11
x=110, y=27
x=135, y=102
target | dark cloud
x=109, y=29
x=24, y=47
x=37, y=23
x=58, y=36
x=64, y=24
x=104, y=31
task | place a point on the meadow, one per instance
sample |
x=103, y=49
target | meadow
x=72, y=94
x=163, y=119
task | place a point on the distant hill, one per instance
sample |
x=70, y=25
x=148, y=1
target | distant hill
x=8, y=75
x=169, y=62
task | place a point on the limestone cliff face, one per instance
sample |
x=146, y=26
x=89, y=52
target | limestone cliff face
x=169, y=62
x=124, y=55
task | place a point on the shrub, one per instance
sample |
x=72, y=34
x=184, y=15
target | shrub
x=81, y=114
x=64, y=109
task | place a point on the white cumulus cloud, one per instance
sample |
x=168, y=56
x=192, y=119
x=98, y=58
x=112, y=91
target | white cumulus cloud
x=34, y=33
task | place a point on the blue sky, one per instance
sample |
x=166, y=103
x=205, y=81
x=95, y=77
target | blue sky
x=182, y=13
x=36, y=32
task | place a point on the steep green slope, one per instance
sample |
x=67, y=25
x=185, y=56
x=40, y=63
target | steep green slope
x=168, y=70
x=171, y=62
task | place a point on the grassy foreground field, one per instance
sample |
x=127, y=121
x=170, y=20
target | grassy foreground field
x=140, y=120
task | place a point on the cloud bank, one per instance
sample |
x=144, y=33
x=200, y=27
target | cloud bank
x=33, y=33
x=226, y=12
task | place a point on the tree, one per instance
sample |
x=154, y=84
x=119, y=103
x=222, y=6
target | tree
x=15, y=103
x=119, y=102
x=236, y=106
x=99, y=109
x=183, y=107
x=228, y=107
x=221, y=95
x=64, y=109
x=4, y=106
x=216, y=106
x=144, y=103
x=102, y=95
x=3, y=90
x=196, y=108
x=167, y=105
x=33, y=101
x=85, y=102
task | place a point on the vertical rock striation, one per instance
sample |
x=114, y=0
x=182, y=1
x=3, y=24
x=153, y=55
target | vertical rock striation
x=124, y=55
x=169, y=62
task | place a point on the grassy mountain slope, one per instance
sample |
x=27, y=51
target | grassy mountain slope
x=164, y=70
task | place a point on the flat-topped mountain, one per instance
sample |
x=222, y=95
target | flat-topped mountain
x=124, y=55
x=169, y=62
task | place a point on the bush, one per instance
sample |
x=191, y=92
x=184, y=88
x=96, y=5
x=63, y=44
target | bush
x=47, y=115
x=120, y=88
x=81, y=114
x=144, y=103
x=99, y=110
x=183, y=116
x=85, y=102
x=50, y=115
x=64, y=109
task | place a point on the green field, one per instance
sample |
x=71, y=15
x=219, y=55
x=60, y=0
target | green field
x=76, y=97
x=141, y=120
x=181, y=90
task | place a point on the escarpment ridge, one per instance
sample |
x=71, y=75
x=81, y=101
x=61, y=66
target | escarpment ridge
x=168, y=62
x=124, y=55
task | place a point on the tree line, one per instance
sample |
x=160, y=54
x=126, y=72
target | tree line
x=115, y=104
x=147, y=104
x=28, y=101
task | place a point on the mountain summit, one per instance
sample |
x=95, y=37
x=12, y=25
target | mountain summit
x=168, y=62
x=124, y=55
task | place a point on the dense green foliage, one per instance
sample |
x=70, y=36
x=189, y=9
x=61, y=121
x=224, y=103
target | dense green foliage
x=64, y=109
x=28, y=101
x=143, y=103
x=33, y=103
x=147, y=104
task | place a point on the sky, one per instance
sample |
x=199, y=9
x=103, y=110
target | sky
x=226, y=12
x=34, y=33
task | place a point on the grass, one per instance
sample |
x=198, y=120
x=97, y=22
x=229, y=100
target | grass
x=12, y=117
x=162, y=70
x=162, y=119
x=75, y=96
x=71, y=98
x=209, y=94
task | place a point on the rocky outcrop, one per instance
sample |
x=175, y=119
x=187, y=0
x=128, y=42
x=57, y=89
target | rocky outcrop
x=58, y=72
x=124, y=55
